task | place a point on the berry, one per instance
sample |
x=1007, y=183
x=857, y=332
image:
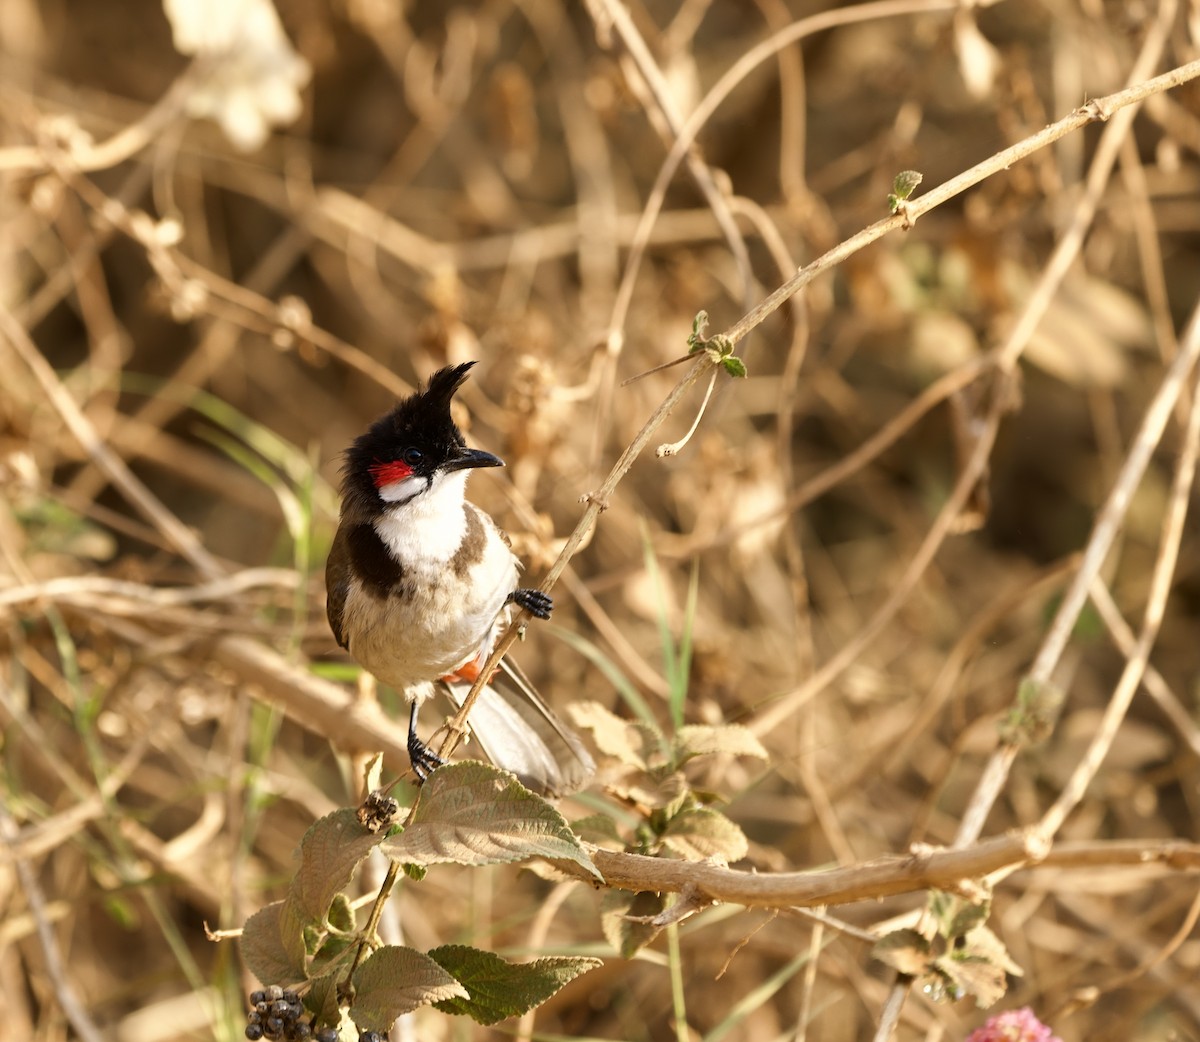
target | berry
x=274, y=992
x=257, y=996
x=254, y=1032
x=326, y=1035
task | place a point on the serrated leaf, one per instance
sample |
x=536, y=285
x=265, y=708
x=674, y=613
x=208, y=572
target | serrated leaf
x=906, y=951
x=905, y=181
x=701, y=832
x=982, y=943
x=734, y=366
x=955, y=916
x=979, y=978
x=264, y=951
x=706, y=740
x=475, y=814
x=628, y=741
x=967, y=917
x=329, y=853
x=394, y=980
x=650, y=788
x=498, y=989
x=625, y=935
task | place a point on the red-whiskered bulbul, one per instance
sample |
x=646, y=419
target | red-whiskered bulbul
x=420, y=581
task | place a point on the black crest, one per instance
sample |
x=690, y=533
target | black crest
x=421, y=422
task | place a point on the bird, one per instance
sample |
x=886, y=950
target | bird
x=420, y=582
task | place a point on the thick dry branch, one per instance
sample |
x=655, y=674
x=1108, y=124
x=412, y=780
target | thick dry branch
x=883, y=877
x=324, y=708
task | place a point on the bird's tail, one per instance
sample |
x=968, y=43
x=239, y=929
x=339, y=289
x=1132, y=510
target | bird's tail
x=520, y=733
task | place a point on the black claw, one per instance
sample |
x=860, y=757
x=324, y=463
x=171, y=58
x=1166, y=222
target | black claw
x=535, y=602
x=423, y=759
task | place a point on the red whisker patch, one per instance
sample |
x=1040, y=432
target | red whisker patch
x=388, y=473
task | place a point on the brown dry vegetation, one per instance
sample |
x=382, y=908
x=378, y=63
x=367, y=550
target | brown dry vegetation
x=465, y=183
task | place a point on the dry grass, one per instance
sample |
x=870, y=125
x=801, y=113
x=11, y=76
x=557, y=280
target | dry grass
x=884, y=519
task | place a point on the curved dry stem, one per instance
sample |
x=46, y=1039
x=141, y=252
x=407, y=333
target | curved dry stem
x=1161, y=577
x=616, y=16
x=671, y=448
x=712, y=101
x=123, y=145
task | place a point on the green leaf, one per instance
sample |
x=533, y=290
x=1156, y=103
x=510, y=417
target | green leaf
x=1033, y=718
x=266, y=955
x=341, y=913
x=906, y=951
x=734, y=366
x=625, y=935
x=329, y=853
x=335, y=954
x=701, y=832
x=393, y=980
x=321, y=999
x=498, y=989
x=968, y=917
x=475, y=814
x=706, y=740
x=905, y=182
x=696, y=341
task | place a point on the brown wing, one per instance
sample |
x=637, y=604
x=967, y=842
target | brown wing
x=337, y=584
x=358, y=554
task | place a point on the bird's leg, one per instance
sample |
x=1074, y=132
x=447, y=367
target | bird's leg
x=423, y=759
x=535, y=602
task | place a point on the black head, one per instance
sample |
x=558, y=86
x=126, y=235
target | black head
x=401, y=453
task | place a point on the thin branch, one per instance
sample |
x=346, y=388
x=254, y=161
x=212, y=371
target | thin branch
x=1160, y=581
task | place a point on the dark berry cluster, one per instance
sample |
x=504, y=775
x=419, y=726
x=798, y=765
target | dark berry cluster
x=370, y=1036
x=277, y=1014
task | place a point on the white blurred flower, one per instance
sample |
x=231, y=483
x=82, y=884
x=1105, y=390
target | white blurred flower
x=257, y=75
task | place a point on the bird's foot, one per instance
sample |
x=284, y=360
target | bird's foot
x=423, y=759
x=535, y=602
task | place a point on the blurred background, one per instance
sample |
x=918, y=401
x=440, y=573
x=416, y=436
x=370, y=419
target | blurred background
x=232, y=267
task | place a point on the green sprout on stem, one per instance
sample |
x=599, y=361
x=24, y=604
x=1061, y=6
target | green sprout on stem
x=903, y=185
x=719, y=347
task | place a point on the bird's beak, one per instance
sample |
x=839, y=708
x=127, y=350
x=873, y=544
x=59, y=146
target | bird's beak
x=469, y=459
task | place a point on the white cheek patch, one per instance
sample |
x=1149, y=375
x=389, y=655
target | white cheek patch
x=399, y=491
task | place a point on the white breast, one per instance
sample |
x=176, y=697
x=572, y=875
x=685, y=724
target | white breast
x=450, y=606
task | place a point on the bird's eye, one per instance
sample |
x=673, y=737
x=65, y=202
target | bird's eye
x=412, y=456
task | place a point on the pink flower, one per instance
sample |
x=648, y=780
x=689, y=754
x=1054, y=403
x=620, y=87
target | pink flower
x=1015, y=1025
